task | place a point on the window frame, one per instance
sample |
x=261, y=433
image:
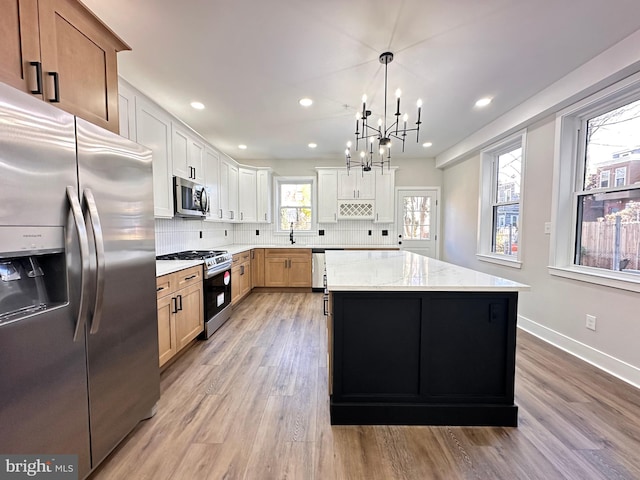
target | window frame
x=311, y=180
x=568, y=185
x=489, y=200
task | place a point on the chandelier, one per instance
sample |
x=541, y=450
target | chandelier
x=380, y=154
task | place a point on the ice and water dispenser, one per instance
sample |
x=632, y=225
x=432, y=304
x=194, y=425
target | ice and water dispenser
x=32, y=271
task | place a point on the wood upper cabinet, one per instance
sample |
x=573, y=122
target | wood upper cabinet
x=20, y=44
x=287, y=267
x=59, y=51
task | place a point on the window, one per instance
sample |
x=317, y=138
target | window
x=295, y=200
x=597, y=189
x=500, y=212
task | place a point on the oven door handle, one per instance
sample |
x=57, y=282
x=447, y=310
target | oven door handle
x=214, y=272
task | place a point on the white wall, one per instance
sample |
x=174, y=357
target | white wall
x=555, y=308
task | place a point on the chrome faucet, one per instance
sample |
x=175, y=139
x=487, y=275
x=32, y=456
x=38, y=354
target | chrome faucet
x=291, y=235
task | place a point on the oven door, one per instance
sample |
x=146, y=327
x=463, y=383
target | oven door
x=217, y=300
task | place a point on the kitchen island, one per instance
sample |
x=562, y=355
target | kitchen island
x=417, y=341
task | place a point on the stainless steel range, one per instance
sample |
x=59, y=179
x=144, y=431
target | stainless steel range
x=217, y=285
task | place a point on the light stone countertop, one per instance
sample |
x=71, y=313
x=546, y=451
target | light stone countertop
x=164, y=267
x=406, y=271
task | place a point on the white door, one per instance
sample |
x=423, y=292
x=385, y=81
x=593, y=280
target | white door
x=417, y=221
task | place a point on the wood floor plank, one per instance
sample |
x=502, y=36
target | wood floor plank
x=252, y=403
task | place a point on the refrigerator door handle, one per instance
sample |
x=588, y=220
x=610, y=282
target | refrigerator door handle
x=81, y=229
x=98, y=238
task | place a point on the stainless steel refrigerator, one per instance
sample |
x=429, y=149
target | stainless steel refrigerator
x=78, y=328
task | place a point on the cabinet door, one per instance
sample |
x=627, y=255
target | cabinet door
x=366, y=186
x=190, y=316
x=196, y=160
x=127, y=111
x=246, y=278
x=327, y=196
x=299, y=272
x=153, y=130
x=385, y=197
x=247, y=194
x=180, y=152
x=236, y=287
x=166, y=329
x=81, y=52
x=233, y=191
x=263, y=196
x=20, y=44
x=257, y=267
x=211, y=168
x=276, y=271
x=347, y=186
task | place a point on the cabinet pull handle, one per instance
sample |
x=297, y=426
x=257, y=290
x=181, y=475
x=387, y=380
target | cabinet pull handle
x=325, y=305
x=220, y=213
x=180, y=298
x=191, y=276
x=159, y=289
x=38, y=90
x=194, y=173
x=56, y=87
x=354, y=194
x=241, y=215
x=174, y=301
x=241, y=269
x=265, y=217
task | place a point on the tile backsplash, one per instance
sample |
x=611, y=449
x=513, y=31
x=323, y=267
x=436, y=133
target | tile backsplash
x=176, y=234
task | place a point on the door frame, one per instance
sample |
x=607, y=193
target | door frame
x=435, y=221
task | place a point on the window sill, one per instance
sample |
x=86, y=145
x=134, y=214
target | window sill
x=622, y=281
x=499, y=260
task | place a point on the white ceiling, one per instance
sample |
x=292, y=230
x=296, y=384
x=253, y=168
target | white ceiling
x=250, y=61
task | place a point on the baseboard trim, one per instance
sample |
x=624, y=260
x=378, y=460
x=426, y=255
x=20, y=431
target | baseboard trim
x=616, y=367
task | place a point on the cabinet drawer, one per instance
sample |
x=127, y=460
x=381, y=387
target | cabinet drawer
x=165, y=285
x=188, y=276
x=241, y=257
x=287, y=252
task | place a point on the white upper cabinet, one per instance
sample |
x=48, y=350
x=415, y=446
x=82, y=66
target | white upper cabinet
x=384, y=207
x=127, y=110
x=247, y=194
x=263, y=195
x=211, y=164
x=327, y=195
x=356, y=185
x=188, y=152
x=153, y=130
x=228, y=188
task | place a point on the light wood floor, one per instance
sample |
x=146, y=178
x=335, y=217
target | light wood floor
x=252, y=403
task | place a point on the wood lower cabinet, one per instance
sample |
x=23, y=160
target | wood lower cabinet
x=180, y=310
x=59, y=51
x=287, y=267
x=257, y=267
x=240, y=276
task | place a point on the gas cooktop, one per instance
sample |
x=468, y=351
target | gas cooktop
x=211, y=258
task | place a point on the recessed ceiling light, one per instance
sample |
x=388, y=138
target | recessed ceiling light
x=242, y=147
x=313, y=145
x=197, y=105
x=483, y=102
x=306, y=102
x=427, y=144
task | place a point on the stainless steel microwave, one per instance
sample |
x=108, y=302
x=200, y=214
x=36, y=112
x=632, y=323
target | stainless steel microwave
x=189, y=199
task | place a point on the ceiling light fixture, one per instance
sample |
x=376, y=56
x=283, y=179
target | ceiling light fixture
x=242, y=147
x=427, y=144
x=197, y=105
x=306, y=102
x=313, y=145
x=381, y=133
x=483, y=102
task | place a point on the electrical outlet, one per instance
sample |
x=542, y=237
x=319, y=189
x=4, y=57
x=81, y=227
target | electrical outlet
x=200, y=233
x=591, y=322
x=257, y=232
x=225, y=233
x=369, y=232
x=385, y=233
x=321, y=232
